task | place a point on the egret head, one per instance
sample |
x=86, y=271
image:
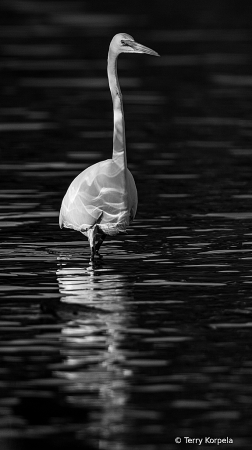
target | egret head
x=124, y=43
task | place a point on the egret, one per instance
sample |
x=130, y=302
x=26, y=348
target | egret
x=102, y=200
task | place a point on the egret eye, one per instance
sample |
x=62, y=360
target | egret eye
x=124, y=43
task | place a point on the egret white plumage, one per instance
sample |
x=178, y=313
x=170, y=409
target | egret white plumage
x=102, y=200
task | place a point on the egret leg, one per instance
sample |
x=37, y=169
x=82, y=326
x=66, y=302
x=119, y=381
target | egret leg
x=99, y=242
x=91, y=237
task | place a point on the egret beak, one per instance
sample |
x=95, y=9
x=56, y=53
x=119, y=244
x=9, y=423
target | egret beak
x=139, y=48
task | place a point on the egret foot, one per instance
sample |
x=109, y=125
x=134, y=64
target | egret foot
x=94, y=254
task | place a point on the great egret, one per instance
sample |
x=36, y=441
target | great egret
x=102, y=200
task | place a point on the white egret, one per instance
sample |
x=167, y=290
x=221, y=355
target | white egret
x=102, y=200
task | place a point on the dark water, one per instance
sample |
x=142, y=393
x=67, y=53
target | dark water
x=153, y=341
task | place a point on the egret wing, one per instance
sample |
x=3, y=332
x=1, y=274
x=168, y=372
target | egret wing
x=97, y=193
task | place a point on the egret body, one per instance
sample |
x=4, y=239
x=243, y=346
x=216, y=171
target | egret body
x=102, y=200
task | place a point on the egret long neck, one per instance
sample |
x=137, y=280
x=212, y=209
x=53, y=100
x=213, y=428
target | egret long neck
x=119, y=141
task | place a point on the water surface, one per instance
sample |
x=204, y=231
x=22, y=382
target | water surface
x=153, y=341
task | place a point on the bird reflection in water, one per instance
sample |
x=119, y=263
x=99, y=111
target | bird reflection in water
x=94, y=359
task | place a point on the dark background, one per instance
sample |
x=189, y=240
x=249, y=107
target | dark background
x=155, y=342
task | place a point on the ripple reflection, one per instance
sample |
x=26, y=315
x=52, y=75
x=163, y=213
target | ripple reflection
x=94, y=361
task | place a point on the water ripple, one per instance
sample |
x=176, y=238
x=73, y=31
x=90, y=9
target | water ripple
x=152, y=341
